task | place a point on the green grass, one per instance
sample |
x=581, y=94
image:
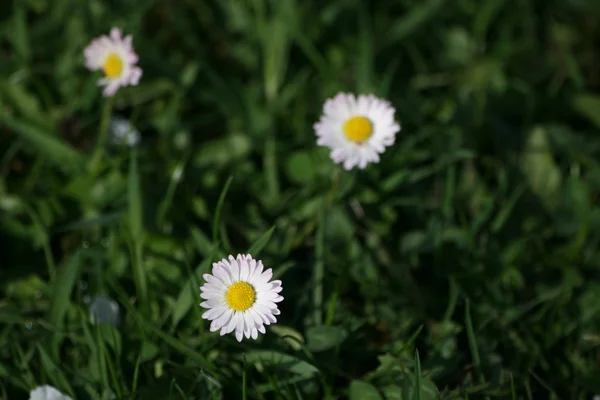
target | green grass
x=466, y=264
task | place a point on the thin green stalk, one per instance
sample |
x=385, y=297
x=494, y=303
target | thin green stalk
x=102, y=133
x=244, y=380
x=319, y=272
x=319, y=267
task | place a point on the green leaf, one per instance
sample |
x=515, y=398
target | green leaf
x=361, y=390
x=281, y=362
x=289, y=335
x=24, y=102
x=261, y=242
x=46, y=144
x=429, y=390
x=186, y=297
x=62, y=289
x=392, y=392
x=321, y=338
x=540, y=169
x=302, y=167
x=588, y=105
x=148, y=351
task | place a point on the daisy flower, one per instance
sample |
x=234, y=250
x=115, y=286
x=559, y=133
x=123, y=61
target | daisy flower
x=123, y=132
x=240, y=296
x=47, y=393
x=104, y=310
x=356, y=130
x=113, y=55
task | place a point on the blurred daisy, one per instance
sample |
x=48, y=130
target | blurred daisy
x=113, y=55
x=104, y=310
x=47, y=393
x=240, y=296
x=356, y=130
x=122, y=132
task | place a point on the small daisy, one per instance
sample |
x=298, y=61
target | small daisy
x=123, y=132
x=114, y=55
x=47, y=393
x=240, y=296
x=104, y=310
x=356, y=130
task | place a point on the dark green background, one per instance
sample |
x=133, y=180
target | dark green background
x=475, y=240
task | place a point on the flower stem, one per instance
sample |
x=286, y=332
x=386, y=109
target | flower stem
x=106, y=113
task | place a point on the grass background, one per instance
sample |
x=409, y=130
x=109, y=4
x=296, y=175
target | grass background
x=466, y=263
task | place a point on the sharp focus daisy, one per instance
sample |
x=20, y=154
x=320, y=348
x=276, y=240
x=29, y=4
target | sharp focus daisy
x=240, y=297
x=47, y=393
x=356, y=129
x=113, y=55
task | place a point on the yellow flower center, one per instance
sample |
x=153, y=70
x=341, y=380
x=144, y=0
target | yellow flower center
x=358, y=129
x=240, y=296
x=113, y=66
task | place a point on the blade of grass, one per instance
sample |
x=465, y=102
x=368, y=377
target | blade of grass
x=136, y=230
x=217, y=219
x=136, y=374
x=62, y=289
x=46, y=144
x=319, y=272
x=473, y=342
x=513, y=393
x=244, y=378
x=100, y=356
x=261, y=242
x=54, y=373
x=185, y=299
x=135, y=198
x=417, y=376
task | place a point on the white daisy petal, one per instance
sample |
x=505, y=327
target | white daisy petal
x=214, y=280
x=47, y=392
x=265, y=277
x=239, y=335
x=231, y=325
x=356, y=129
x=220, y=272
x=239, y=297
x=114, y=55
x=214, y=313
x=252, y=268
x=218, y=323
x=234, y=272
x=244, y=269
